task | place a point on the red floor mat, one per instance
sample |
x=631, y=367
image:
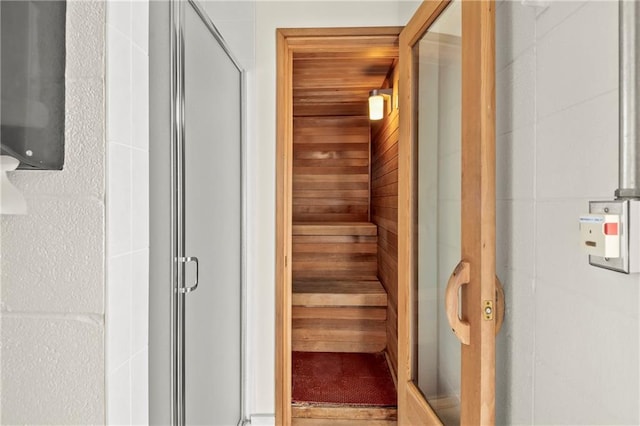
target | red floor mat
x=342, y=378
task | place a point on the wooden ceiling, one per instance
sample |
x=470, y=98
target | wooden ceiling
x=337, y=81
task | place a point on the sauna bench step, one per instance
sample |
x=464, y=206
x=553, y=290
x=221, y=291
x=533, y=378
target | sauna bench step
x=334, y=228
x=338, y=293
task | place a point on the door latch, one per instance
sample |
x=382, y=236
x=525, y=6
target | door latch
x=487, y=310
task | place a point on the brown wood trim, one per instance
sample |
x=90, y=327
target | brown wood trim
x=339, y=32
x=284, y=146
x=324, y=40
x=344, y=413
x=418, y=411
x=478, y=203
x=424, y=16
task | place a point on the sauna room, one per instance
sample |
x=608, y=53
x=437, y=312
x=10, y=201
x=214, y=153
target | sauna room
x=344, y=232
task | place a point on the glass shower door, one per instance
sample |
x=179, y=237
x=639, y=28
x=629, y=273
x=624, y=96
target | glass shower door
x=208, y=334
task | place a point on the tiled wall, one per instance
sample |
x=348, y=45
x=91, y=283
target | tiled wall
x=52, y=334
x=127, y=293
x=569, y=350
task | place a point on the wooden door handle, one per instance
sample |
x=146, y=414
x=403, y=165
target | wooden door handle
x=459, y=277
x=500, y=305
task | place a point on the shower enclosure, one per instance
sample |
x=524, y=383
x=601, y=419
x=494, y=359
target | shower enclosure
x=196, y=254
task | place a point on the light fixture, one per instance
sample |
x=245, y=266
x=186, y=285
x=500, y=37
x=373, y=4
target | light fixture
x=376, y=102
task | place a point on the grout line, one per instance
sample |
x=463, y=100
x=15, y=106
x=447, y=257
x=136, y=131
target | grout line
x=558, y=24
x=65, y=197
x=87, y=318
x=574, y=105
x=535, y=215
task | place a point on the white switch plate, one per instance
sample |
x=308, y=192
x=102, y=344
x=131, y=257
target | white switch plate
x=600, y=235
x=629, y=229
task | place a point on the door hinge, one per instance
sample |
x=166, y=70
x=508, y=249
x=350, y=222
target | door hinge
x=487, y=310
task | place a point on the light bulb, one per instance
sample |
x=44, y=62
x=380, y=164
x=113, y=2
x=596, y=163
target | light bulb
x=376, y=107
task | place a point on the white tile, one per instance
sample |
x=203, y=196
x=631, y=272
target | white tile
x=591, y=354
x=578, y=60
x=118, y=88
x=140, y=201
x=561, y=262
x=140, y=99
x=119, y=16
x=515, y=94
x=559, y=401
x=577, y=150
x=119, y=305
x=52, y=370
x=119, y=235
x=140, y=24
x=555, y=13
x=504, y=220
x=119, y=396
x=520, y=312
x=515, y=164
x=53, y=257
x=140, y=301
x=140, y=388
x=515, y=31
x=515, y=237
x=514, y=383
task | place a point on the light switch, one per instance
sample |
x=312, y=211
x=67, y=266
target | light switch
x=609, y=221
x=600, y=235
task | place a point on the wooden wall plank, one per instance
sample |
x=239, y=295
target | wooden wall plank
x=392, y=335
x=340, y=312
x=331, y=169
x=384, y=213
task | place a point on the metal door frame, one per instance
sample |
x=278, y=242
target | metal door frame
x=177, y=315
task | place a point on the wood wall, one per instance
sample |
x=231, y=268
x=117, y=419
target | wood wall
x=331, y=169
x=338, y=304
x=384, y=213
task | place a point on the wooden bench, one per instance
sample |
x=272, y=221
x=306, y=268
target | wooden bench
x=338, y=303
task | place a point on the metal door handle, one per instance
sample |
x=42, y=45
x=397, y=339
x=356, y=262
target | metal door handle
x=459, y=277
x=195, y=285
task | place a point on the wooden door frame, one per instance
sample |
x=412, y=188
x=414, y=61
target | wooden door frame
x=478, y=189
x=289, y=41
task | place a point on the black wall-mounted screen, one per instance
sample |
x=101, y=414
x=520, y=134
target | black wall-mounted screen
x=32, y=35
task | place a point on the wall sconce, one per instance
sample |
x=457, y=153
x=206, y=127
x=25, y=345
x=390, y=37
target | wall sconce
x=376, y=102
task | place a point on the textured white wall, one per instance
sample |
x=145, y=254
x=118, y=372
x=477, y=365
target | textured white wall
x=127, y=81
x=568, y=353
x=53, y=258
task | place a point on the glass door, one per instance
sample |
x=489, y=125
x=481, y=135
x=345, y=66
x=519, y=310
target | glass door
x=207, y=343
x=448, y=309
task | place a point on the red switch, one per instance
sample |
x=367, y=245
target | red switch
x=611, y=228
